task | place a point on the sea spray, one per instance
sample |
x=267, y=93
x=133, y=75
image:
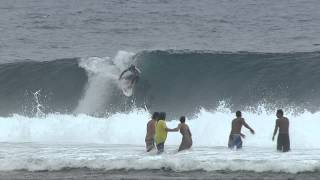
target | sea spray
x=103, y=76
x=209, y=128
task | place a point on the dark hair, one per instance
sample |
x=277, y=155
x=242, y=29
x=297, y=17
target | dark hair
x=132, y=66
x=162, y=116
x=155, y=115
x=182, y=119
x=238, y=114
x=280, y=112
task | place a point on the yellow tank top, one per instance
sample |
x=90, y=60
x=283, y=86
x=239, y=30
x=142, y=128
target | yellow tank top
x=161, y=133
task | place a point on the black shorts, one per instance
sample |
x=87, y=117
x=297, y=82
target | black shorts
x=283, y=143
x=160, y=147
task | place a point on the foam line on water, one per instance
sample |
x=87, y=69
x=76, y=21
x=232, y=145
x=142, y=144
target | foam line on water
x=34, y=157
x=209, y=128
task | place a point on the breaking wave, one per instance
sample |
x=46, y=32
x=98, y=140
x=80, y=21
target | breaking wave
x=178, y=82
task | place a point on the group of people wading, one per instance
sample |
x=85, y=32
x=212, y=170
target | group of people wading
x=157, y=131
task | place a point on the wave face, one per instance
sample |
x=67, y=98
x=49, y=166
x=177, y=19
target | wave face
x=56, y=86
x=178, y=82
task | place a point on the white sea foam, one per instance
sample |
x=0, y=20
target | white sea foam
x=117, y=142
x=209, y=128
x=36, y=157
x=103, y=74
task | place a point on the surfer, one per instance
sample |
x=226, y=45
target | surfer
x=235, y=134
x=151, y=132
x=186, y=142
x=282, y=123
x=161, y=132
x=133, y=77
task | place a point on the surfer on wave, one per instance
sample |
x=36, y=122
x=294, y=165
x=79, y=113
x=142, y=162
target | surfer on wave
x=134, y=75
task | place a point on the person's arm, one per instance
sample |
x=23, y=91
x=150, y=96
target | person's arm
x=242, y=135
x=275, y=129
x=123, y=73
x=247, y=126
x=174, y=129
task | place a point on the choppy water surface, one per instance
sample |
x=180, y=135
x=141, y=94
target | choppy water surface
x=36, y=157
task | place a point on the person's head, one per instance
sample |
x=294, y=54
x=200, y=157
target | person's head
x=238, y=114
x=132, y=66
x=182, y=119
x=162, y=116
x=155, y=116
x=279, y=113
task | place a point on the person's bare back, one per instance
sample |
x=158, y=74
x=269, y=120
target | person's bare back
x=283, y=124
x=237, y=125
x=235, y=134
x=150, y=129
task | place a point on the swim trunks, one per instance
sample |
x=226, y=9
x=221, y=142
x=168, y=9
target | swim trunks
x=149, y=144
x=160, y=147
x=235, y=141
x=283, y=143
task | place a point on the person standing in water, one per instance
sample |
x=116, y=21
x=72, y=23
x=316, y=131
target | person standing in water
x=186, y=142
x=151, y=132
x=282, y=123
x=161, y=132
x=235, y=134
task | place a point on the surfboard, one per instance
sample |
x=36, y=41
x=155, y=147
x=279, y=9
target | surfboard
x=125, y=85
x=127, y=90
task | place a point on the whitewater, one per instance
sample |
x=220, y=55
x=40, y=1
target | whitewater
x=63, y=113
x=57, y=141
x=114, y=139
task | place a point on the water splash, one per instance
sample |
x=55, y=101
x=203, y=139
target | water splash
x=37, y=109
x=103, y=76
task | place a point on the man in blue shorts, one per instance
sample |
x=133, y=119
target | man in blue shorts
x=235, y=134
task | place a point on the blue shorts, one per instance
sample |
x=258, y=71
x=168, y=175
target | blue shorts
x=235, y=141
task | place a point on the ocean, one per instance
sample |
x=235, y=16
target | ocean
x=63, y=114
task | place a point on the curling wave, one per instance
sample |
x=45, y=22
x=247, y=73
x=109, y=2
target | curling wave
x=178, y=82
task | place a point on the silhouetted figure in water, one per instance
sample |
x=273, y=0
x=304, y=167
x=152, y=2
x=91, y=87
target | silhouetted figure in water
x=282, y=123
x=133, y=77
x=151, y=132
x=235, y=134
x=186, y=142
x=161, y=132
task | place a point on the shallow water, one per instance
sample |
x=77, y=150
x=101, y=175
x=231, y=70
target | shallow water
x=42, y=157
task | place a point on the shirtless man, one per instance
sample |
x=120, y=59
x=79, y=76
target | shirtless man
x=151, y=132
x=282, y=123
x=235, y=134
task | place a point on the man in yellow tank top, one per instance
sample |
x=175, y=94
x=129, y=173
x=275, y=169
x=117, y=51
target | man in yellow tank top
x=161, y=132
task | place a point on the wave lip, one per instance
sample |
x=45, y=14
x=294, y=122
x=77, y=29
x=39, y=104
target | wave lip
x=178, y=82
